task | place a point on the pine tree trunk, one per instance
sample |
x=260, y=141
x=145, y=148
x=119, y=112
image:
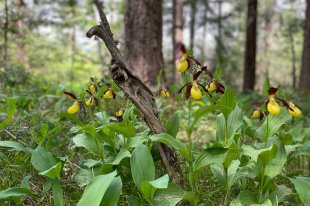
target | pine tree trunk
x=21, y=31
x=204, y=33
x=192, y=25
x=219, y=43
x=264, y=62
x=143, y=39
x=304, y=83
x=177, y=36
x=250, y=48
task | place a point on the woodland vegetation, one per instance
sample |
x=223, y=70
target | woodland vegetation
x=155, y=102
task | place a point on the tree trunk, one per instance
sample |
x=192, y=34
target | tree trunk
x=177, y=36
x=264, y=63
x=250, y=47
x=143, y=38
x=293, y=53
x=192, y=25
x=219, y=43
x=204, y=33
x=304, y=82
x=21, y=32
x=5, y=29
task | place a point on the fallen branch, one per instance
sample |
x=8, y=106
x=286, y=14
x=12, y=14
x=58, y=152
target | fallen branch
x=135, y=90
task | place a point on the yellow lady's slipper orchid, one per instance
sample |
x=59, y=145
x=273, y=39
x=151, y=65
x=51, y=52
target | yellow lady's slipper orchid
x=182, y=64
x=273, y=107
x=195, y=92
x=74, y=108
x=296, y=111
x=256, y=114
x=89, y=102
x=211, y=87
x=108, y=94
x=119, y=113
x=164, y=93
x=92, y=88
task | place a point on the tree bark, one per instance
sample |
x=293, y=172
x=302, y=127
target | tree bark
x=219, y=44
x=177, y=36
x=250, y=47
x=143, y=38
x=264, y=63
x=304, y=83
x=136, y=91
x=192, y=25
x=204, y=32
x=293, y=54
x=21, y=32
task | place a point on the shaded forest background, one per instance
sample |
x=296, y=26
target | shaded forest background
x=45, y=40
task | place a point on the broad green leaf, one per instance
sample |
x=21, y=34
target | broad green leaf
x=217, y=73
x=14, y=145
x=142, y=165
x=42, y=160
x=89, y=143
x=96, y=189
x=90, y=130
x=83, y=177
x=301, y=150
x=278, y=195
x=227, y=102
x=132, y=201
x=135, y=141
x=14, y=192
x=173, y=142
x=122, y=154
x=243, y=199
x=148, y=188
x=58, y=193
x=113, y=192
x=172, y=195
x=173, y=125
x=125, y=128
x=254, y=153
x=272, y=124
x=302, y=185
x=53, y=172
x=209, y=156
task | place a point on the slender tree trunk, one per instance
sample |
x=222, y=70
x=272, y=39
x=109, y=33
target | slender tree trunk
x=304, y=83
x=219, y=45
x=250, y=47
x=264, y=62
x=204, y=32
x=21, y=32
x=5, y=29
x=192, y=25
x=72, y=39
x=143, y=38
x=177, y=36
x=293, y=53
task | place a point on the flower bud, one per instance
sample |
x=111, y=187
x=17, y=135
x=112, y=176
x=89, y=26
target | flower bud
x=74, y=108
x=92, y=88
x=273, y=107
x=182, y=64
x=296, y=111
x=89, y=102
x=256, y=114
x=108, y=94
x=164, y=93
x=211, y=87
x=195, y=92
x=119, y=113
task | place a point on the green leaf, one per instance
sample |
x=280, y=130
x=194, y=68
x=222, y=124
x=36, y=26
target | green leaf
x=113, y=192
x=244, y=198
x=96, y=189
x=209, y=156
x=172, y=195
x=122, y=154
x=173, y=142
x=302, y=185
x=89, y=143
x=135, y=141
x=83, y=177
x=272, y=124
x=90, y=130
x=254, y=153
x=132, y=201
x=142, y=165
x=14, y=192
x=227, y=102
x=14, y=145
x=58, y=193
x=42, y=160
x=173, y=125
x=125, y=128
x=148, y=188
x=53, y=172
x=217, y=73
